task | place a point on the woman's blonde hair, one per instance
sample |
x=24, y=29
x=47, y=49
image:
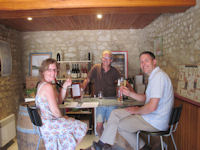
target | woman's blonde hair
x=45, y=65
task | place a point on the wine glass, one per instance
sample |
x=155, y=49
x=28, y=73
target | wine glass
x=69, y=76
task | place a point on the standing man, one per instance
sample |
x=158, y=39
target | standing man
x=153, y=116
x=105, y=78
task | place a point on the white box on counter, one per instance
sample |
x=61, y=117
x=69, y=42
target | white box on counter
x=140, y=88
x=29, y=99
x=139, y=79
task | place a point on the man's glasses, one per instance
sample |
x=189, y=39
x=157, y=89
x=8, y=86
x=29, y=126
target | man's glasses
x=106, y=58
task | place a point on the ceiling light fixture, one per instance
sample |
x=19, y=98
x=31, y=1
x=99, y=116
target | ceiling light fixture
x=29, y=18
x=99, y=16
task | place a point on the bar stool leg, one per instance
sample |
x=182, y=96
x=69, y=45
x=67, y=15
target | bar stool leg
x=173, y=141
x=165, y=145
x=138, y=134
x=149, y=139
x=161, y=140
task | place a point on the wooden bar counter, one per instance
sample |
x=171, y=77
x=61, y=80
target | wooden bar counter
x=79, y=103
x=187, y=135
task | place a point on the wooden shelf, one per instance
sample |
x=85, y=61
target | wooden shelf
x=62, y=79
x=73, y=61
x=79, y=112
x=85, y=115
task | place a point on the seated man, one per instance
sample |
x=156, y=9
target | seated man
x=152, y=116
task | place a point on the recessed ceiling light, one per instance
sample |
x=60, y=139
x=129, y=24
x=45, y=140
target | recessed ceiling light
x=29, y=18
x=99, y=16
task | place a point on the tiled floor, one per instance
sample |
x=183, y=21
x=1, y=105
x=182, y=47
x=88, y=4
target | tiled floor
x=86, y=142
x=12, y=145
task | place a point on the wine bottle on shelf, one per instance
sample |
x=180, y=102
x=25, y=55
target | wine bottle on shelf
x=58, y=59
x=89, y=56
x=89, y=63
x=89, y=67
x=82, y=71
x=58, y=56
x=78, y=70
x=86, y=72
x=75, y=72
x=72, y=71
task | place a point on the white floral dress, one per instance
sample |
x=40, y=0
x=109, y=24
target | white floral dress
x=58, y=133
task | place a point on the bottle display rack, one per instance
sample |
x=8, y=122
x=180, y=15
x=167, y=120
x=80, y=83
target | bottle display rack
x=76, y=70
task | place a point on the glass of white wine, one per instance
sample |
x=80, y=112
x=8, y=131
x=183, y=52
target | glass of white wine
x=68, y=76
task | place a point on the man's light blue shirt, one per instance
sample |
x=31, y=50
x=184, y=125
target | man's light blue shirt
x=159, y=86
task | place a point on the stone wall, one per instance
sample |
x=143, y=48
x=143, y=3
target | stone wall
x=75, y=45
x=11, y=88
x=181, y=39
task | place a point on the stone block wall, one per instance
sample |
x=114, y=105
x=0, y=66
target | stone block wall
x=75, y=45
x=11, y=87
x=181, y=39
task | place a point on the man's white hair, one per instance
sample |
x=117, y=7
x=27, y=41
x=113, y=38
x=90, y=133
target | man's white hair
x=107, y=52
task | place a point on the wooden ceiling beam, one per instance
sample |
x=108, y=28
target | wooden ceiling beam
x=53, y=15
x=15, y=5
x=88, y=11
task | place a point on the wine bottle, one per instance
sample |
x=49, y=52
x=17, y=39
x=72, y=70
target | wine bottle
x=75, y=72
x=89, y=63
x=119, y=93
x=85, y=72
x=89, y=56
x=72, y=71
x=58, y=56
x=78, y=71
x=82, y=71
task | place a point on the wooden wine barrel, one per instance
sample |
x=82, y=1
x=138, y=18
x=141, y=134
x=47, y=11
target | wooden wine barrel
x=27, y=139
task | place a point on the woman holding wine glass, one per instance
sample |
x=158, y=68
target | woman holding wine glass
x=58, y=132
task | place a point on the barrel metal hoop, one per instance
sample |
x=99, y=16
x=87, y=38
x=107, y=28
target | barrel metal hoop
x=23, y=130
x=23, y=113
x=22, y=108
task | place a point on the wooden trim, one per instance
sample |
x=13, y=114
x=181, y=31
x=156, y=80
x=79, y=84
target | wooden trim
x=187, y=134
x=78, y=112
x=89, y=11
x=198, y=129
x=187, y=100
x=52, y=4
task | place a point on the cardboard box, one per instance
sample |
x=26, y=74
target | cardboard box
x=139, y=79
x=140, y=88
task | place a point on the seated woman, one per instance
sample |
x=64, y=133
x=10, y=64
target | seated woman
x=59, y=132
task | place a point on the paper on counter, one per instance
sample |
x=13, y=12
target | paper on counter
x=29, y=99
x=139, y=79
x=89, y=104
x=81, y=105
x=71, y=104
x=140, y=88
